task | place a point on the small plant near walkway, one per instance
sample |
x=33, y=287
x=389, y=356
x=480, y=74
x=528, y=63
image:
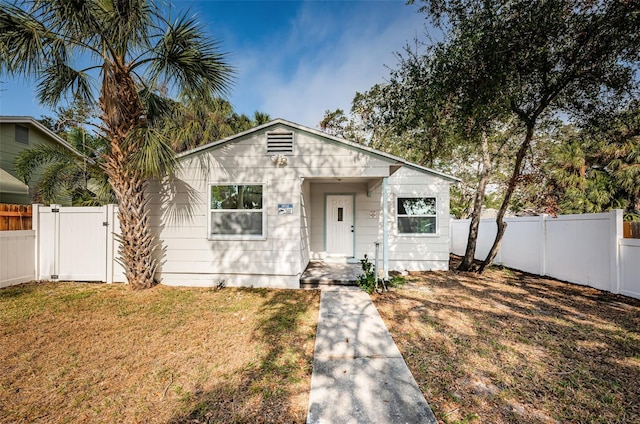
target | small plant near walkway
x=367, y=280
x=509, y=347
x=79, y=353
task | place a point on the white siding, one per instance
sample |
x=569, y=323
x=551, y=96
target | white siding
x=180, y=212
x=305, y=223
x=419, y=253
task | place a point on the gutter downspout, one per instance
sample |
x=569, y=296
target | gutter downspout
x=385, y=230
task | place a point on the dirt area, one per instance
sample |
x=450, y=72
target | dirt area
x=509, y=347
x=78, y=353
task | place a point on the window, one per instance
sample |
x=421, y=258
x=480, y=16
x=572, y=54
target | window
x=280, y=143
x=22, y=134
x=237, y=211
x=416, y=215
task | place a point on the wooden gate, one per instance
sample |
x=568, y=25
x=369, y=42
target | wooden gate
x=77, y=243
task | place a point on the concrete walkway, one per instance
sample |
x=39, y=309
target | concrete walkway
x=359, y=375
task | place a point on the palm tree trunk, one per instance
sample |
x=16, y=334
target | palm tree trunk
x=136, y=240
x=123, y=114
x=470, y=252
x=513, y=181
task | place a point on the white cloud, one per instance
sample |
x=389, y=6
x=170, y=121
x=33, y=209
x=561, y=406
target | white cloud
x=324, y=61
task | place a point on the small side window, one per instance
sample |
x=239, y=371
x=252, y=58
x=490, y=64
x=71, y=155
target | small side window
x=416, y=215
x=22, y=134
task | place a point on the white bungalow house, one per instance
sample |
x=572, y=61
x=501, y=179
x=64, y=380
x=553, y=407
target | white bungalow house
x=257, y=207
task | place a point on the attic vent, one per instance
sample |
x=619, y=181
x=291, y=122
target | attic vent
x=22, y=134
x=280, y=143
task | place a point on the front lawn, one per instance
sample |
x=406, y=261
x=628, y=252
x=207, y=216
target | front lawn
x=509, y=347
x=73, y=352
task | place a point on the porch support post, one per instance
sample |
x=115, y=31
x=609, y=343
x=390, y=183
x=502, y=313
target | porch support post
x=385, y=227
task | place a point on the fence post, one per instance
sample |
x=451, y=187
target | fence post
x=543, y=244
x=110, y=245
x=35, y=226
x=616, y=220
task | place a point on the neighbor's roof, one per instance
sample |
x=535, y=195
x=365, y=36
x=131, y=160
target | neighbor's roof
x=10, y=184
x=28, y=120
x=318, y=133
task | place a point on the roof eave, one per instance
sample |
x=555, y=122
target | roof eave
x=318, y=133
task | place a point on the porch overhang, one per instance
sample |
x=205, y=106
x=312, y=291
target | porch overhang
x=372, y=177
x=373, y=186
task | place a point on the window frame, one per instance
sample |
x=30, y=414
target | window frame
x=436, y=233
x=211, y=211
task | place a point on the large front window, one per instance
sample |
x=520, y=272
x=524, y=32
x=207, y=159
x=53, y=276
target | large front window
x=237, y=210
x=416, y=215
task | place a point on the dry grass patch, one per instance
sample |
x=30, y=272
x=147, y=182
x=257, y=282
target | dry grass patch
x=509, y=347
x=101, y=353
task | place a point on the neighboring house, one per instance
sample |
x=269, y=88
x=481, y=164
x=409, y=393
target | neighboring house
x=18, y=133
x=255, y=208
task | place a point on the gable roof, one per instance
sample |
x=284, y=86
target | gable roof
x=28, y=120
x=317, y=133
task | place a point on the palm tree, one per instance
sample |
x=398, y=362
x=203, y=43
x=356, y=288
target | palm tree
x=195, y=123
x=131, y=50
x=68, y=177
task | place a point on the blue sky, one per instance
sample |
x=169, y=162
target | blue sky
x=294, y=60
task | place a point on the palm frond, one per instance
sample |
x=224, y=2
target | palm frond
x=59, y=79
x=124, y=25
x=29, y=160
x=102, y=192
x=153, y=156
x=53, y=187
x=194, y=62
x=158, y=107
x=25, y=43
x=76, y=18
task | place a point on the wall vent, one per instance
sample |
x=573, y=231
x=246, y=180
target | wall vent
x=22, y=134
x=280, y=143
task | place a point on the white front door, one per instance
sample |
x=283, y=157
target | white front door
x=340, y=231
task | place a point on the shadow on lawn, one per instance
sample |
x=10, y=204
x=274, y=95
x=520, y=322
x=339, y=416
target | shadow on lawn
x=19, y=290
x=519, y=347
x=262, y=391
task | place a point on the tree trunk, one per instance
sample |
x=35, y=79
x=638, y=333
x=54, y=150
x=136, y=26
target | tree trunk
x=136, y=240
x=513, y=181
x=123, y=114
x=470, y=252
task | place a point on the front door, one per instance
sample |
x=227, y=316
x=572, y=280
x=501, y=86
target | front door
x=340, y=231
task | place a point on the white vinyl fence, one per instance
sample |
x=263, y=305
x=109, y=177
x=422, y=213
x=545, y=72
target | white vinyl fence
x=17, y=257
x=66, y=243
x=583, y=249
